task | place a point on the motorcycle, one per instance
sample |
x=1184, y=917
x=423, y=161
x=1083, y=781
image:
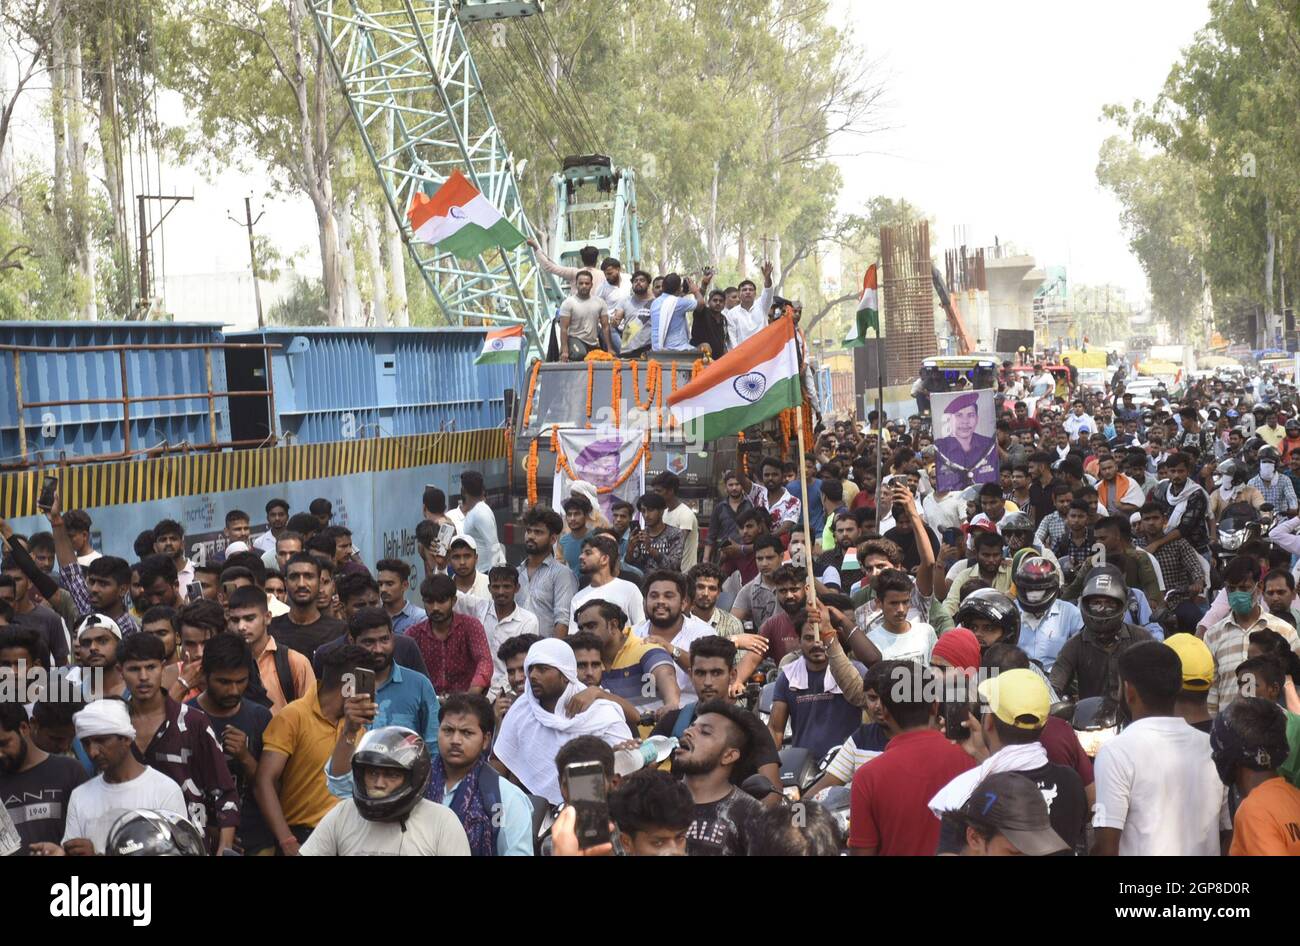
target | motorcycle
x=801, y=770
x=1240, y=525
x=1095, y=721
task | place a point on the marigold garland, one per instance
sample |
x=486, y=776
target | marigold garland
x=672, y=418
x=591, y=368
x=616, y=389
x=740, y=448
x=532, y=389
x=531, y=466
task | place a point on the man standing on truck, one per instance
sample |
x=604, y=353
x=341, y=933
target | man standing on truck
x=749, y=316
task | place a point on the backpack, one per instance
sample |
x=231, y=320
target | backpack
x=685, y=716
x=489, y=792
x=285, y=673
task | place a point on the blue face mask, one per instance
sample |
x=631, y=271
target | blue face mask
x=1241, y=602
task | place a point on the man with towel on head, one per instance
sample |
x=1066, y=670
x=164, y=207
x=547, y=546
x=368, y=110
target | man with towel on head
x=123, y=784
x=965, y=456
x=537, y=725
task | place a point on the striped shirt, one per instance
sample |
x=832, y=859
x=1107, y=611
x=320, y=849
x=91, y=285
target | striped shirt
x=74, y=577
x=1280, y=493
x=1228, y=642
x=1179, y=567
x=1050, y=530
x=547, y=593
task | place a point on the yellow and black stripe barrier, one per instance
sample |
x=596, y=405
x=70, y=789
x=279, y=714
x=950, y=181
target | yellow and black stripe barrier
x=92, y=485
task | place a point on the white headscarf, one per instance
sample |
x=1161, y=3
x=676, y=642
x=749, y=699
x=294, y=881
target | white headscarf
x=104, y=718
x=530, y=737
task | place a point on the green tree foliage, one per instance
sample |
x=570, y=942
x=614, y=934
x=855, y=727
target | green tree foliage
x=1160, y=214
x=1226, y=119
x=736, y=98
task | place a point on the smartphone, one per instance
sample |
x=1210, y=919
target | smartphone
x=586, y=781
x=954, y=715
x=446, y=532
x=45, y=502
x=194, y=591
x=363, y=682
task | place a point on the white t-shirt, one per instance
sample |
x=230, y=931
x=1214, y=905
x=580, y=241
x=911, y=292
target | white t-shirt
x=684, y=518
x=913, y=644
x=430, y=831
x=1157, y=783
x=481, y=524
x=617, y=591
x=95, y=805
x=692, y=630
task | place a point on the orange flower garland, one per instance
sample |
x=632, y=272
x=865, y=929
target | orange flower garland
x=532, y=473
x=532, y=389
x=616, y=389
x=744, y=457
x=591, y=369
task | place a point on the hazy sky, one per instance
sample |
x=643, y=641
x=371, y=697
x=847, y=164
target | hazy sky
x=996, y=118
x=995, y=115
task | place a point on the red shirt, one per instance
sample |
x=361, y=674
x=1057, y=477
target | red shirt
x=781, y=635
x=1063, y=748
x=889, y=806
x=459, y=662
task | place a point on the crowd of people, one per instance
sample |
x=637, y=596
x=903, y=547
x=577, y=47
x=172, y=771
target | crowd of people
x=941, y=654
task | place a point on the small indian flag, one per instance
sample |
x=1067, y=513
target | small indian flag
x=752, y=382
x=502, y=347
x=868, y=311
x=458, y=219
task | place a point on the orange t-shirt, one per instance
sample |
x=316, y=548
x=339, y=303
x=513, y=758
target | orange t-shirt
x=1268, y=821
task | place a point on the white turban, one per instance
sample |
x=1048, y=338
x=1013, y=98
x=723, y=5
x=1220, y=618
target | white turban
x=530, y=736
x=104, y=718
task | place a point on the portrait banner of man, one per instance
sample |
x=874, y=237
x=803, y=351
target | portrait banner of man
x=964, y=430
x=606, y=457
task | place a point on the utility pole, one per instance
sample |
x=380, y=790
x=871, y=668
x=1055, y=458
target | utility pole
x=145, y=235
x=249, y=222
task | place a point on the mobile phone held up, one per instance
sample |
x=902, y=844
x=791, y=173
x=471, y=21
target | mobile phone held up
x=587, y=795
x=363, y=682
x=50, y=486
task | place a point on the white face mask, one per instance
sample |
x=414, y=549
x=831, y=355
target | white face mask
x=1266, y=470
x=1225, y=481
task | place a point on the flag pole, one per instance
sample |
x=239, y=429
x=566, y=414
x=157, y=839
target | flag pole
x=880, y=403
x=803, y=488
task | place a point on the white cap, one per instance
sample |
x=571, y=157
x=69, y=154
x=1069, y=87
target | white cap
x=236, y=547
x=92, y=621
x=463, y=540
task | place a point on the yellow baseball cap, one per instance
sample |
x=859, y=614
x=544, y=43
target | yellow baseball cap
x=1018, y=697
x=1197, y=661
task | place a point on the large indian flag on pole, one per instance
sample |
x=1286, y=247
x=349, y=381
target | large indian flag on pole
x=868, y=311
x=746, y=386
x=502, y=347
x=458, y=219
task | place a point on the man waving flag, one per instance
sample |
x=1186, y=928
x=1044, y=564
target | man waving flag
x=458, y=219
x=752, y=382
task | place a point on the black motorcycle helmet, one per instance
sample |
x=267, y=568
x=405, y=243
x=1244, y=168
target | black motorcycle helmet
x=989, y=604
x=1037, y=584
x=1017, y=523
x=1104, y=600
x=1269, y=455
x=391, y=747
x=145, y=833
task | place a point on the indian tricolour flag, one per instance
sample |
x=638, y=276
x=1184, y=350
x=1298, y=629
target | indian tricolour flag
x=868, y=311
x=746, y=386
x=502, y=347
x=458, y=219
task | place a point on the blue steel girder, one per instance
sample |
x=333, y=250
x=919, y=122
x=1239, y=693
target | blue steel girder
x=415, y=96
